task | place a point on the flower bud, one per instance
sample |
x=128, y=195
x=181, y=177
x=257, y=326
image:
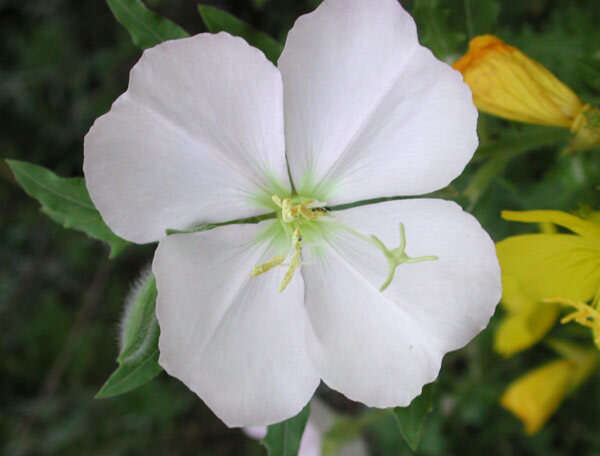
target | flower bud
x=507, y=83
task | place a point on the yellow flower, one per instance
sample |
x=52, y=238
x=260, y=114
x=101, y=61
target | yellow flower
x=507, y=83
x=535, y=396
x=536, y=267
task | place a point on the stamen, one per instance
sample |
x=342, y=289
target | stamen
x=584, y=314
x=267, y=266
x=295, y=261
x=397, y=256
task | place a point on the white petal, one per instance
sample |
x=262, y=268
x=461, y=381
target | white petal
x=454, y=296
x=235, y=341
x=196, y=135
x=381, y=348
x=368, y=111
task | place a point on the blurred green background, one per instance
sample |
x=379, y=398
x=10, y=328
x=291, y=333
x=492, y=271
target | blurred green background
x=63, y=62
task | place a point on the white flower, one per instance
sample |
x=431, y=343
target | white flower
x=319, y=422
x=361, y=111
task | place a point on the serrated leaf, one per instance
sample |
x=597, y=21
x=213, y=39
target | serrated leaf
x=66, y=201
x=283, y=439
x=217, y=20
x=138, y=361
x=146, y=28
x=411, y=419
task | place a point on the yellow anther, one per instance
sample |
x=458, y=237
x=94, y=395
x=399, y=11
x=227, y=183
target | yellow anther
x=295, y=261
x=584, y=314
x=290, y=211
x=287, y=211
x=267, y=266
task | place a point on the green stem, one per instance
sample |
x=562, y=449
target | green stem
x=210, y=226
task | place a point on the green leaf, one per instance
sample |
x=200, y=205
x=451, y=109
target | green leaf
x=481, y=17
x=502, y=152
x=138, y=361
x=435, y=30
x=411, y=419
x=347, y=429
x=217, y=20
x=146, y=28
x=66, y=201
x=131, y=374
x=283, y=439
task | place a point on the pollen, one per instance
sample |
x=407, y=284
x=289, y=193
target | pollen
x=308, y=209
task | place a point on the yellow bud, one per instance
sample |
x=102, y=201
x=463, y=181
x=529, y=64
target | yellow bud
x=507, y=83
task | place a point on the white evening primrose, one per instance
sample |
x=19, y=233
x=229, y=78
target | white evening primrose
x=368, y=299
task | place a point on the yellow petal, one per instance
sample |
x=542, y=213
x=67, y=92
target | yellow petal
x=548, y=228
x=507, y=83
x=520, y=331
x=528, y=319
x=548, y=265
x=534, y=397
x=588, y=228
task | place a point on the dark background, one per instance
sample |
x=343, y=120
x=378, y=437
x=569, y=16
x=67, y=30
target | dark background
x=62, y=64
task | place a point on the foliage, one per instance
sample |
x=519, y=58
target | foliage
x=217, y=21
x=146, y=28
x=66, y=61
x=66, y=201
x=283, y=439
x=411, y=419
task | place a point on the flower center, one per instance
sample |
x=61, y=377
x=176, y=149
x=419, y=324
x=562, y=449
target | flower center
x=294, y=215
